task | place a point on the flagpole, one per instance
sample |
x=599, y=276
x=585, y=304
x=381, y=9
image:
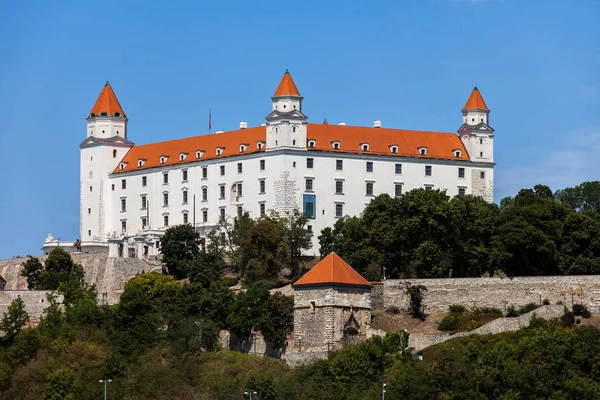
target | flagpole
x=209, y=120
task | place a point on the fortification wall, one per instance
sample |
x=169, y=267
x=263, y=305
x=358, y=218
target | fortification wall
x=35, y=301
x=494, y=292
x=108, y=274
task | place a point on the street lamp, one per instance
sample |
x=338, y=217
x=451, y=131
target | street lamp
x=383, y=391
x=249, y=394
x=540, y=299
x=300, y=344
x=105, y=381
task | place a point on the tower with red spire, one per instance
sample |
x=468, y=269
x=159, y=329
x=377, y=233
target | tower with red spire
x=101, y=152
x=286, y=124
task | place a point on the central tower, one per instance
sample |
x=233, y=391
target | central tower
x=286, y=125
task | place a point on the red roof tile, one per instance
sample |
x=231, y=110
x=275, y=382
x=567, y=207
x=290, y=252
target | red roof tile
x=107, y=103
x=332, y=269
x=475, y=101
x=287, y=87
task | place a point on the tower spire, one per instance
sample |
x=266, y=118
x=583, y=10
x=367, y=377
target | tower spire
x=286, y=87
x=107, y=104
x=475, y=101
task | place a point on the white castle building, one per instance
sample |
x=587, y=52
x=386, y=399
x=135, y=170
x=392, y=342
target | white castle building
x=131, y=194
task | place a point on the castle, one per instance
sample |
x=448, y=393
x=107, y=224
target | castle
x=131, y=194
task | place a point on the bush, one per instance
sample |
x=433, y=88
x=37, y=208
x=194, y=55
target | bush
x=451, y=322
x=567, y=320
x=546, y=302
x=456, y=309
x=511, y=312
x=230, y=280
x=392, y=310
x=486, y=310
x=581, y=310
x=527, y=308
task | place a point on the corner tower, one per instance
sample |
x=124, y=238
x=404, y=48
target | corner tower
x=475, y=132
x=104, y=147
x=286, y=125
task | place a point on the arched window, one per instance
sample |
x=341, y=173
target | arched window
x=293, y=129
x=457, y=153
x=242, y=148
x=423, y=151
x=182, y=156
x=198, y=154
x=364, y=146
x=335, y=145
x=140, y=163
x=312, y=144
x=219, y=151
x=480, y=141
x=259, y=145
x=394, y=149
x=114, y=153
x=163, y=159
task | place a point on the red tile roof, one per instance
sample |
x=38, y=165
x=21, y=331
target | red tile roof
x=475, y=101
x=438, y=144
x=287, y=87
x=332, y=269
x=107, y=103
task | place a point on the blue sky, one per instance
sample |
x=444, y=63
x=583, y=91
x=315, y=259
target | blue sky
x=411, y=64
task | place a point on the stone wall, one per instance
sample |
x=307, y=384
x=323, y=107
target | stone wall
x=420, y=341
x=377, y=296
x=35, y=301
x=108, y=274
x=496, y=292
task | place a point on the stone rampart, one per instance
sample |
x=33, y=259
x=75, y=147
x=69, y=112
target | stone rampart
x=420, y=341
x=497, y=292
x=35, y=301
x=377, y=294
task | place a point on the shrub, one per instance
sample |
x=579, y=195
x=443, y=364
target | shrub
x=456, y=309
x=581, y=310
x=511, y=312
x=392, y=310
x=486, y=310
x=567, y=320
x=450, y=322
x=415, y=292
x=546, y=302
x=527, y=308
x=230, y=280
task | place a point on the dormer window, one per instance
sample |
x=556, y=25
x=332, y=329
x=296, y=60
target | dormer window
x=219, y=151
x=364, y=146
x=117, y=114
x=163, y=159
x=141, y=162
x=243, y=148
x=182, y=156
x=122, y=165
x=335, y=145
x=199, y=153
x=457, y=153
x=394, y=149
x=259, y=145
x=423, y=151
x=312, y=144
x=104, y=114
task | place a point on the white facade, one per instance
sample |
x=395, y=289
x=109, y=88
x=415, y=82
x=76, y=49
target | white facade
x=127, y=210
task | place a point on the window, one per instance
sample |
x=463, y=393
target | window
x=163, y=160
x=313, y=306
x=428, y=187
x=144, y=222
x=222, y=215
x=310, y=205
x=182, y=156
x=369, y=189
x=398, y=189
x=144, y=202
x=242, y=148
x=482, y=175
x=428, y=170
x=309, y=228
x=222, y=170
x=480, y=141
x=89, y=233
x=461, y=191
x=184, y=175
x=165, y=178
x=204, y=194
x=364, y=147
x=219, y=151
x=461, y=172
x=185, y=196
x=259, y=145
x=198, y=154
x=111, y=186
x=123, y=184
x=89, y=211
x=140, y=163
x=239, y=168
x=310, y=162
x=339, y=187
x=262, y=165
x=423, y=151
x=240, y=211
x=398, y=169
x=262, y=208
x=114, y=154
x=339, y=165
x=394, y=149
x=312, y=144
x=369, y=166
x=457, y=153
x=123, y=204
x=335, y=145
x=481, y=154
x=204, y=172
x=166, y=220
x=262, y=186
x=144, y=181
x=204, y=215
x=185, y=218
x=239, y=190
x=339, y=210
x=222, y=192
x=165, y=199
x=309, y=185
x=123, y=226
x=294, y=164
x=90, y=188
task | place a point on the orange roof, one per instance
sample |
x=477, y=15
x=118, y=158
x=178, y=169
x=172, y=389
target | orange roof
x=475, y=101
x=287, y=87
x=332, y=269
x=107, y=103
x=351, y=138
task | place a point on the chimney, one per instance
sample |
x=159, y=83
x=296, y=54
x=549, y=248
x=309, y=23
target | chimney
x=377, y=124
x=220, y=132
x=263, y=124
x=342, y=123
x=243, y=125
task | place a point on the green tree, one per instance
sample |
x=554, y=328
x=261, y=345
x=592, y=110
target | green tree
x=14, y=320
x=278, y=319
x=583, y=197
x=415, y=294
x=247, y=310
x=206, y=269
x=53, y=323
x=297, y=238
x=59, y=267
x=580, y=244
x=32, y=270
x=180, y=246
x=60, y=385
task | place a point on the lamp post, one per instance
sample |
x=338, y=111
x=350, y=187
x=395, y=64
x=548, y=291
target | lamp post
x=105, y=381
x=383, y=391
x=249, y=394
x=540, y=299
x=404, y=332
x=254, y=350
x=300, y=344
x=384, y=273
x=504, y=301
x=227, y=340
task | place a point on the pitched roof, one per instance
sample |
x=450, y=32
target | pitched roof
x=332, y=269
x=475, y=101
x=286, y=87
x=439, y=145
x=107, y=103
